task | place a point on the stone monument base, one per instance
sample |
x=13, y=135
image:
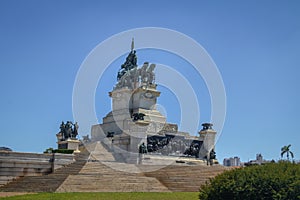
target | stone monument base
x=72, y=144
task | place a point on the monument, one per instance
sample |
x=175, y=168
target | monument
x=67, y=137
x=134, y=119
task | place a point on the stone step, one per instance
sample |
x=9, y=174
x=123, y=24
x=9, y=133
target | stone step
x=46, y=183
x=98, y=177
x=187, y=178
x=6, y=179
x=96, y=170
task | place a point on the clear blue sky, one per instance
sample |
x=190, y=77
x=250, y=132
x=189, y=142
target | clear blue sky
x=255, y=45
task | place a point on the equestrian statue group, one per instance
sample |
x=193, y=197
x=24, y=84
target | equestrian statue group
x=129, y=74
x=68, y=130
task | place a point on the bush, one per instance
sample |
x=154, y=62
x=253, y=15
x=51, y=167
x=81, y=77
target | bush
x=49, y=150
x=65, y=151
x=269, y=181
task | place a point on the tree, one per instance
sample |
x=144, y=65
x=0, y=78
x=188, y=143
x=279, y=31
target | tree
x=286, y=150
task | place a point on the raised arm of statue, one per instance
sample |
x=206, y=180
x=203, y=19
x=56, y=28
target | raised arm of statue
x=76, y=127
x=62, y=127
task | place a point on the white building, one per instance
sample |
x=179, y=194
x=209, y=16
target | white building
x=235, y=161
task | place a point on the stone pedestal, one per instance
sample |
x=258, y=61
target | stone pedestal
x=121, y=98
x=129, y=133
x=207, y=135
x=72, y=144
x=145, y=97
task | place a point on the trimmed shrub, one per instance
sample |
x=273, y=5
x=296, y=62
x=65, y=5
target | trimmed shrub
x=270, y=181
x=49, y=150
x=65, y=151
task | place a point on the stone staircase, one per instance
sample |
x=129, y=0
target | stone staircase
x=96, y=170
x=185, y=178
x=18, y=164
x=99, y=177
x=103, y=174
x=46, y=183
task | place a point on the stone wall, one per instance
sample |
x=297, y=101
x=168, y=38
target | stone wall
x=17, y=164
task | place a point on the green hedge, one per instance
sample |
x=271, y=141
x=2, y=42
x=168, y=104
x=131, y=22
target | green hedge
x=49, y=150
x=65, y=151
x=269, y=181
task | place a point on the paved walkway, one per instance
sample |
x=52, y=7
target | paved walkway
x=9, y=194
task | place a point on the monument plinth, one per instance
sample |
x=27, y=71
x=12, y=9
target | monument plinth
x=207, y=135
x=72, y=144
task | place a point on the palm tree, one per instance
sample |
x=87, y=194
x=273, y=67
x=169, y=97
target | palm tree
x=286, y=150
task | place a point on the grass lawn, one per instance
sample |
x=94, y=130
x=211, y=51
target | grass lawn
x=109, y=196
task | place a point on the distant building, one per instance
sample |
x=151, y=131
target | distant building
x=259, y=160
x=230, y=162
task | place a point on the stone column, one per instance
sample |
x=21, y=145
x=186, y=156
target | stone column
x=121, y=99
x=145, y=97
x=207, y=134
